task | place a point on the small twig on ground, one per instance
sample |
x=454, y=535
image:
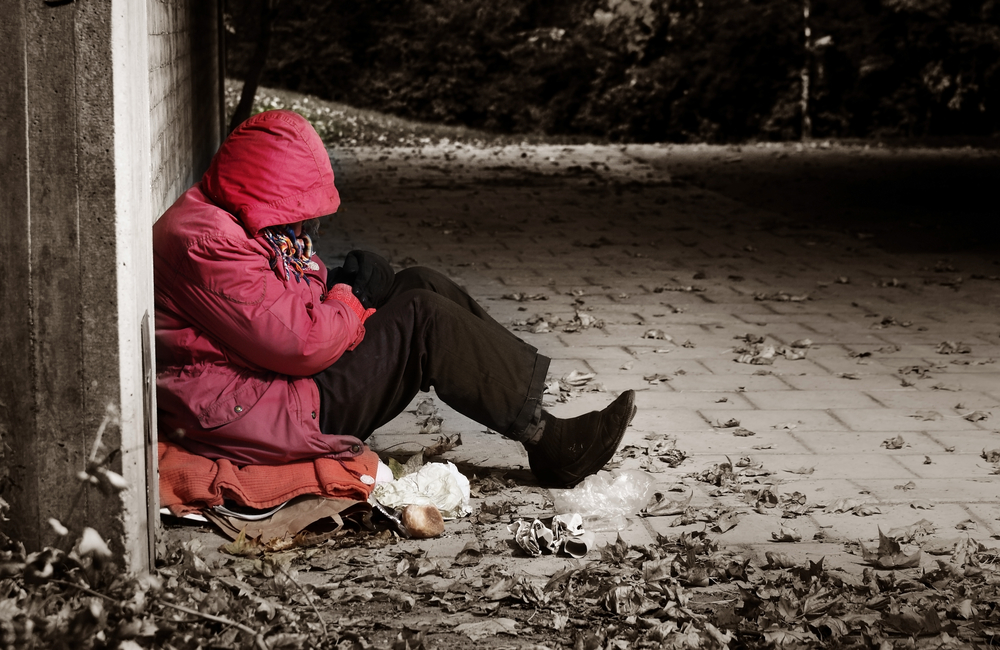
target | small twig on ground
x=326, y=633
x=257, y=637
x=87, y=590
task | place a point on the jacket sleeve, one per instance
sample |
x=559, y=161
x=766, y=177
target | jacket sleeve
x=228, y=290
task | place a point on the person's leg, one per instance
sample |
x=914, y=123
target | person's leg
x=420, y=338
x=429, y=332
x=421, y=277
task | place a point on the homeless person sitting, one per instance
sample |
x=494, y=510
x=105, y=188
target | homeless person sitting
x=264, y=357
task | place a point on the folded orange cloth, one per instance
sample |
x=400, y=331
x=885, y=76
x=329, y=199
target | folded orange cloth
x=189, y=482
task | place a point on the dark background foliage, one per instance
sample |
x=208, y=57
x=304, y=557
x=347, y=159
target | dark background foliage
x=644, y=70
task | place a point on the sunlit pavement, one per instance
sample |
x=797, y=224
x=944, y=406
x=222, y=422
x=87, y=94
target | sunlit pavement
x=900, y=346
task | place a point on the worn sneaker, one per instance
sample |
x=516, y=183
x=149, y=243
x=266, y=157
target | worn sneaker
x=570, y=450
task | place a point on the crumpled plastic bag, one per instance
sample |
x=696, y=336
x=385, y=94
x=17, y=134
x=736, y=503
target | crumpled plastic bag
x=606, y=499
x=438, y=484
x=566, y=535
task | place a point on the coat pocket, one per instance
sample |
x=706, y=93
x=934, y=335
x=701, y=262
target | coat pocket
x=235, y=402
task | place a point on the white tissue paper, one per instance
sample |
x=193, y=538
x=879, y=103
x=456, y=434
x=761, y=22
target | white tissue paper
x=438, y=484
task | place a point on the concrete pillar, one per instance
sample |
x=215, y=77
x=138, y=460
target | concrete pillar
x=75, y=262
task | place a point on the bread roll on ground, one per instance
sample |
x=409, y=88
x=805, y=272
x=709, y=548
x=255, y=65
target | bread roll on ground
x=423, y=521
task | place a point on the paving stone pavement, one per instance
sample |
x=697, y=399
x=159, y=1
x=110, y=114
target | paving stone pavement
x=606, y=232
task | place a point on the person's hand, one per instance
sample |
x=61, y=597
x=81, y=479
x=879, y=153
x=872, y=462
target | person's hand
x=368, y=274
x=345, y=294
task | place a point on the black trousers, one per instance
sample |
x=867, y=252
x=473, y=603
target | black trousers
x=429, y=333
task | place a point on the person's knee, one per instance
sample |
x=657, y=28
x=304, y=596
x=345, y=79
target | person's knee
x=418, y=277
x=425, y=300
x=425, y=306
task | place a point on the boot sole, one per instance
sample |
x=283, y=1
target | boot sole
x=570, y=476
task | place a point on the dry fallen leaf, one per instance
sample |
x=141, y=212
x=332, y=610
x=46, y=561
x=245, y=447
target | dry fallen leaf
x=908, y=621
x=780, y=296
x=964, y=609
x=442, y=444
x=432, y=424
x=426, y=407
x=660, y=505
x=470, y=555
x=786, y=534
x=889, y=554
x=792, y=354
x=779, y=560
x=856, y=506
x=241, y=546
x=524, y=297
x=577, y=378
x=759, y=356
x=906, y=534
x=951, y=347
x=726, y=522
x=894, y=443
x=867, y=510
x=488, y=628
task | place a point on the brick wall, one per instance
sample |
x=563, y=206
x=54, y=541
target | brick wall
x=184, y=94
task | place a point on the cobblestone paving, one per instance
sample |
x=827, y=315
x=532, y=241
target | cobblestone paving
x=606, y=232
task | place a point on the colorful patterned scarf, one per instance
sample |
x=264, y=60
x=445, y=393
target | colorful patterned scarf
x=293, y=253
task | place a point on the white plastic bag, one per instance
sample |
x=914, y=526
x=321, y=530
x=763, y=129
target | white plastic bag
x=606, y=499
x=438, y=484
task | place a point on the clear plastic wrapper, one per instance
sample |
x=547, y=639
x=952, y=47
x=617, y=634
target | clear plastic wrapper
x=605, y=500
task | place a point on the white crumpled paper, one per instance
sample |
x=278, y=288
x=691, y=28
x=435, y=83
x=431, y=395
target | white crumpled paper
x=566, y=535
x=437, y=484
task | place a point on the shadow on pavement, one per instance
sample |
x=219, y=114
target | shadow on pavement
x=920, y=201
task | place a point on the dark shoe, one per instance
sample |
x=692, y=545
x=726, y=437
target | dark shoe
x=573, y=449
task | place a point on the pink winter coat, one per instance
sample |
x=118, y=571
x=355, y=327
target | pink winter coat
x=236, y=342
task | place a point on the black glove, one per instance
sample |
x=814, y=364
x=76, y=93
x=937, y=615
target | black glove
x=369, y=275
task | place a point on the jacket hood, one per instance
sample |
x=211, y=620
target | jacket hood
x=273, y=169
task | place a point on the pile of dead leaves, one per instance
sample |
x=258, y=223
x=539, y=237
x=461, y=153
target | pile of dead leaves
x=541, y=323
x=369, y=591
x=755, y=352
x=571, y=385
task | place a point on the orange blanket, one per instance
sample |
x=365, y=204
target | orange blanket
x=189, y=483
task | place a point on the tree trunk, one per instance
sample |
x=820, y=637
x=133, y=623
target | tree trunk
x=257, y=64
x=806, y=63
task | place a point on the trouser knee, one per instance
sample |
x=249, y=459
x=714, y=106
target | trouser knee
x=419, y=277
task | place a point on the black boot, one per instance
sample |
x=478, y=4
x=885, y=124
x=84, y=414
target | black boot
x=562, y=453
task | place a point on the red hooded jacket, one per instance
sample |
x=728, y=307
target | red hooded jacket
x=237, y=342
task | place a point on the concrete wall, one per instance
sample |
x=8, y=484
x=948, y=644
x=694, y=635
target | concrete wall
x=79, y=151
x=184, y=51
